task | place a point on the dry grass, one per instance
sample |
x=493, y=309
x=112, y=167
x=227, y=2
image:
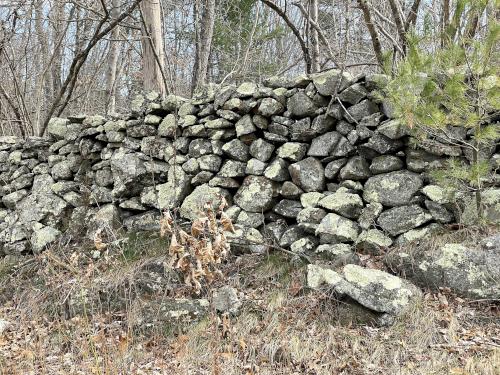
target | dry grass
x=282, y=327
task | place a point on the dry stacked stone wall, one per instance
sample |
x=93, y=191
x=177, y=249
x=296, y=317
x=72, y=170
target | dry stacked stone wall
x=315, y=163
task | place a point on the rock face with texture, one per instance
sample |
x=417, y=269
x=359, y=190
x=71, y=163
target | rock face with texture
x=374, y=289
x=255, y=194
x=317, y=158
x=469, y=271
x=392, y=189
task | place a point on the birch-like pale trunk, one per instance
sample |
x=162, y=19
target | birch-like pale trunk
x=113, y=53
x=205, y=44
x=153, y=58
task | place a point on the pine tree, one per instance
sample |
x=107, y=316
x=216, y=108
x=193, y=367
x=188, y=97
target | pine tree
x=434, y=93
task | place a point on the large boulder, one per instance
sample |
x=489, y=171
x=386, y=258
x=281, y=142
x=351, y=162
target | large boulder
x=469, y=271
x=393, y=188
x=376, y=290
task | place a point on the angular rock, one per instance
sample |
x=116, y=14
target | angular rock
x=236, y=149
x=468, y=271
x=336, y=229
x=292, y=151
x=357, y=168
x=255, y=194
x=343, y=203
x=193, y=205
x=385, y=164
x=308, y=174
x=300, y=105
x=401, y=219
x=392, y=189
x=261, y=150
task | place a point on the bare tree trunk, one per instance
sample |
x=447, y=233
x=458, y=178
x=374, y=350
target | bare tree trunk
x=197, y=41
x=114, y=45
x=56, y=66
x=377, y=47
x=313, y=33
x=205, y=45
x=153, y=59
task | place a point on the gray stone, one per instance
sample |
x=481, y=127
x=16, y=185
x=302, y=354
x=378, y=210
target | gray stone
x=338, y=255
x=226, y=300
x=261, y=150
x=311, y=215
x=304, y=245
x=193, y=205
x=336, y=229
x=210, y=163
x=393, y=129
x=232, y=168
x=11, y=200
x=467, y=270
x=438, y=212
x=385, y=164
x=288, y=208
x=269, y=107
x=332, y=81
x=250, y=219
x=369, y=215
x=292, y=151
x=246, y=239
x=332, y=169
x=300, y=105
x=245, y=126
x=290, y=235
x=236, y=149
x=357, y=168
x=57, y=127
x=308, y=174
x=373, y=241
x=43, y=237
x=311, y=199
x=200, y=147
x=353, y=94
x=401, y=219
x=255, y=167
x=168, y=127
x=324, y=144
x=343, y=203
x=376, y=290
x=277, y=170
x=290, y=190
x=392, y=189
x=147, y=221
x=255, y=194
x=322, y=124
x=360, y=110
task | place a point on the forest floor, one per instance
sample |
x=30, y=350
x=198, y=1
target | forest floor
x=282, y=327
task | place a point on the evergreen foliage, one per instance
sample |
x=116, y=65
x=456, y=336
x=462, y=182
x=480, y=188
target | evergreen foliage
x=440, y=94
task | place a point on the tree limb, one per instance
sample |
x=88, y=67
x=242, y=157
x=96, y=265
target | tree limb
x=77, y=63
x=377, y=47
x=295, y=31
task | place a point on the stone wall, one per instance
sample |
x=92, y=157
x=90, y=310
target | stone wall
x=297, y=167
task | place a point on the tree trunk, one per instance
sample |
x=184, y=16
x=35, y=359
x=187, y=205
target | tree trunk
x=205, y=44
x=377, y=47
x=58, y=19
x=114, y=45
x=313, y=33
x=153, y=58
